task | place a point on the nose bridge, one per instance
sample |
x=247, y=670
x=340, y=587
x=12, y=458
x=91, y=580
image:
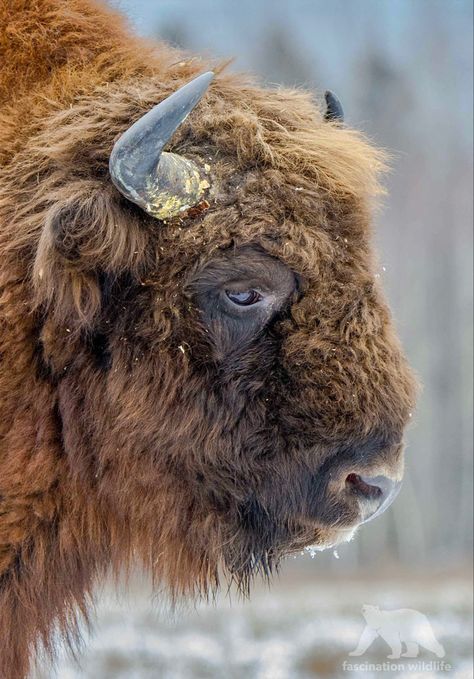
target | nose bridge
x=359, y=388
x=383, y=398
x=379, y=382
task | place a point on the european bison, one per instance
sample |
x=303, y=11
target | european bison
x=199, y=372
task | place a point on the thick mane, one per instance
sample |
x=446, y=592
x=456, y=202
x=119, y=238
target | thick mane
x=52, y=51
x=46, y=42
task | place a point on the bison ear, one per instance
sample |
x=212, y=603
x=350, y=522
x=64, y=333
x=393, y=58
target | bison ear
x=64, y=232
x=78, y=224
x=334, y=110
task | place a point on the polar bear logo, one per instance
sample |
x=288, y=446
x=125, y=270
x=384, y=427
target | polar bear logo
x=404, y=625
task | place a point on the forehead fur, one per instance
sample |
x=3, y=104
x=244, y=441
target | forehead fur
x=245, y=124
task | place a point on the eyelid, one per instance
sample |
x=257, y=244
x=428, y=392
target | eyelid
x=247, y=288
x=244, y=286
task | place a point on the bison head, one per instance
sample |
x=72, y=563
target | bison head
x=229, y=384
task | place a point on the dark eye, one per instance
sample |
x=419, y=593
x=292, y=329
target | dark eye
x=244, y=298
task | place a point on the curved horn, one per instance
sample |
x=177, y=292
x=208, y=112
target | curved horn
x=163, y=184
x=333, y=107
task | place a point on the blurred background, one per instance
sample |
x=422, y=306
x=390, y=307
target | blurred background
x=403, y=70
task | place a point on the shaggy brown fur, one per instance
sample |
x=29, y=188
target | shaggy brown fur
x=126, y=429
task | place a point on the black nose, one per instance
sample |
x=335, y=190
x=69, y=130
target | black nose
x=374, y=493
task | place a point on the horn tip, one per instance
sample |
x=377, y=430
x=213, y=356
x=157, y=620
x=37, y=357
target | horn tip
x=195, y=89
x=204, y=80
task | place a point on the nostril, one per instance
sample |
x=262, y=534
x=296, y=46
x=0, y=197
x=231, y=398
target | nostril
x=357, y=484
x=374, y=493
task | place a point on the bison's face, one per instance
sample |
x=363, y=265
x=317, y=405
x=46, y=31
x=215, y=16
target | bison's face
x=234, y=389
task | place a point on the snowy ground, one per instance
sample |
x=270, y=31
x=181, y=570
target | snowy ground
x=299, y=629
